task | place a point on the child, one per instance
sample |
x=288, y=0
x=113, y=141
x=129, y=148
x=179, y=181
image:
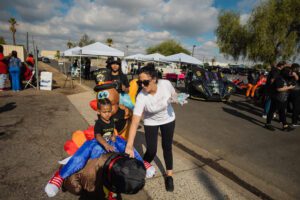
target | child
x=105, y=127
x=105, y=135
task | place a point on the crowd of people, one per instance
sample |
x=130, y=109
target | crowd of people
x=279, y=91
x=14, y=70
x=282, y=90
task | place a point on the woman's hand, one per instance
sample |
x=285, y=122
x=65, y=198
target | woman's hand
x=129, y=151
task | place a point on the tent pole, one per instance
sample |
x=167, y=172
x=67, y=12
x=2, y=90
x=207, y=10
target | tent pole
x=80, y=71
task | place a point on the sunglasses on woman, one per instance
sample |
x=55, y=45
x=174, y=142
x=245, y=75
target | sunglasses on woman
x=144, y=82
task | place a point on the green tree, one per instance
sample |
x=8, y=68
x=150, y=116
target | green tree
x=272, y=32
x=109, y=41
x=71, y=44
x=57, y=55
x=2, y=40
x=167, y=47
x=85, y=40
x=13, y=29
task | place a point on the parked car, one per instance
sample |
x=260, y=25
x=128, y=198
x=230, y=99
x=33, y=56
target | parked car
x=46, y=60
x=226, y=71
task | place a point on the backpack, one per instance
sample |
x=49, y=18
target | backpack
x=122, y=174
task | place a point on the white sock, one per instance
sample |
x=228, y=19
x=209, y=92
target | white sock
x=51, y=190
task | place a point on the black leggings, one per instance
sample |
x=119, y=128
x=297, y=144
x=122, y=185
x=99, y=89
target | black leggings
x=151, y=134
x=281, y=107
x=295, y=99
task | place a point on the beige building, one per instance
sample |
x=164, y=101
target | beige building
x=22, y=54
x=49, y=54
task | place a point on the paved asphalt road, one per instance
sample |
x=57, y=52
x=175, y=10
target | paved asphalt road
x=234, y=131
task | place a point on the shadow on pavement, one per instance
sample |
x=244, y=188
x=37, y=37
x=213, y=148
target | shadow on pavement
x=243, y=116
x=8, y=107
x=245, y=107
x=211, y=187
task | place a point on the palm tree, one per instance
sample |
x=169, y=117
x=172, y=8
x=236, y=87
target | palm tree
x=213, y=60
x=69, y=44
x=12, y=28
x=109, y=42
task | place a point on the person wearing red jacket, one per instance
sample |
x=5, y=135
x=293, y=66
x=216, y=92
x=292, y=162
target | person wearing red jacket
x=30, y=61
x=3, y=69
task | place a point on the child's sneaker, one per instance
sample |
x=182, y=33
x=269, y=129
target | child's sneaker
x=150, y=170
x=54, y=184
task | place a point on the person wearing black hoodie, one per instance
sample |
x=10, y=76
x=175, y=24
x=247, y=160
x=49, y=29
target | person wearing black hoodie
x=295, y=94
x=280, y=89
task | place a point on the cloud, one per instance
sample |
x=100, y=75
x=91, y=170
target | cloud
x=244, y=18
x=136, y=23
x=33, y=10
x=186, y=18
x=98, y=17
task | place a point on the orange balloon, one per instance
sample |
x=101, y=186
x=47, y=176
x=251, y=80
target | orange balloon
x=78, y=138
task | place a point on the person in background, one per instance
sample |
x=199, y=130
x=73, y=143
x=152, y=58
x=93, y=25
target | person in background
x=295, y=94
x=274, y=73
x=279, y=95
x=30, y=61
x=114, y=64
x=3, y=69
x=87, y=69
x=153, y=105
x=74, y=67
x=15, y=71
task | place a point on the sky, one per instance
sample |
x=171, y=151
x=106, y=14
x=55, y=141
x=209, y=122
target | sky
x=137, y=24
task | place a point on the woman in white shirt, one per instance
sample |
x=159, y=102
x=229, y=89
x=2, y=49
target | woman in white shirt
x=153, y=104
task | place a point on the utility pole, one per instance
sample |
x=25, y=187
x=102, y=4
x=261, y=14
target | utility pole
x=127, y=46
x=35, y=50
x=193, y=50
x=27, y=45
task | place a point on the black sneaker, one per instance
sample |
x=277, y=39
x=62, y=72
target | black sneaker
x=287, y=128
x=169, y=183
x=269, y=127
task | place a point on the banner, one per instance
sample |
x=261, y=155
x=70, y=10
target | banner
x=46, y=81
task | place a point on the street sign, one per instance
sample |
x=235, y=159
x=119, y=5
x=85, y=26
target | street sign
x=46, y=81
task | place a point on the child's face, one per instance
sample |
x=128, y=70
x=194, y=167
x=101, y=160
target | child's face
x=105, y=112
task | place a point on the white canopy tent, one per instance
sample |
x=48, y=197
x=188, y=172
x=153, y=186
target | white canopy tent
x=155, y=57
x=71, y=52
x=183, y=58
x=99, y=49
x=95, y=49
x=136, y=57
